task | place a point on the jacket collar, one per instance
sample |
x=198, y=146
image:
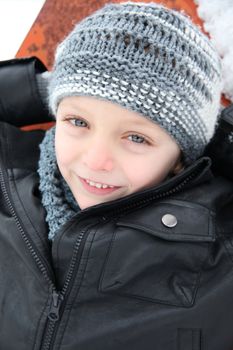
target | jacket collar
x=193, y=175
x=146, y=210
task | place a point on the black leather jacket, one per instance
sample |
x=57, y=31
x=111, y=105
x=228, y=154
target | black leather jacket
x=117, y=276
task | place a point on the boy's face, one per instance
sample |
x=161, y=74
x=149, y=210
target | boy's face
x=109, y=145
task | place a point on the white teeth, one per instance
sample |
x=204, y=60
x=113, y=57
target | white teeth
x=95, y=184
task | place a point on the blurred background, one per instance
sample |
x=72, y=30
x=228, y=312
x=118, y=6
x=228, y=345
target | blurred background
x=16, y=19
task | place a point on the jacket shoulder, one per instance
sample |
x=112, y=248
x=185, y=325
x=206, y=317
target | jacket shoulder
x=22, y=106
x=19, y=149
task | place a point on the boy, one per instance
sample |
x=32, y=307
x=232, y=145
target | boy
x=140, y=230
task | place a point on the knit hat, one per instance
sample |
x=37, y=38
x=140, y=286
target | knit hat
x=149, y=59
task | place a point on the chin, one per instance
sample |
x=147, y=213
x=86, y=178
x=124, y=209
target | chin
x=84, y=204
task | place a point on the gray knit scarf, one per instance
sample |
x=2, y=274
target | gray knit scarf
x=57, y=197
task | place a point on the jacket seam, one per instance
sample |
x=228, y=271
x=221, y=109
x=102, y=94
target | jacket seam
x=106, y=260
x=72, y=223
x=167, y=232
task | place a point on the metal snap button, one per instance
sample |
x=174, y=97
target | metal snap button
x=169, y=220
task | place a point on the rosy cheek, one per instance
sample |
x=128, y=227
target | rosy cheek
x=62, y=158
x=147, y=173
x=64, y=149
x=136, y=175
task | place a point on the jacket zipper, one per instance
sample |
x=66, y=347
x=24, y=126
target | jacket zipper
x=57, y=298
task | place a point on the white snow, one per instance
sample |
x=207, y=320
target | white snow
x=218, y=22
x=16, y=19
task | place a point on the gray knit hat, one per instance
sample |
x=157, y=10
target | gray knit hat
x=149, y=59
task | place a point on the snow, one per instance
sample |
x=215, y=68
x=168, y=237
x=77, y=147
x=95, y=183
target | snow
x=16, y=19
x=218, y=17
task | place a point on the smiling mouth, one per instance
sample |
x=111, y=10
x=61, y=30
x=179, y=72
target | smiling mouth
x=98, y=184
x=97, y=188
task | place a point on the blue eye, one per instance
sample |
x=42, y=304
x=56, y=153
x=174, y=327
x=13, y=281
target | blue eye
x=137, y=139
x=77, y=122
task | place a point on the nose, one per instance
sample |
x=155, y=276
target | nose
x=98, y=156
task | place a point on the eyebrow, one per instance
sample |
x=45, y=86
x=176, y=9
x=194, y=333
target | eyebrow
x=74, y=108
x=140, y=122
